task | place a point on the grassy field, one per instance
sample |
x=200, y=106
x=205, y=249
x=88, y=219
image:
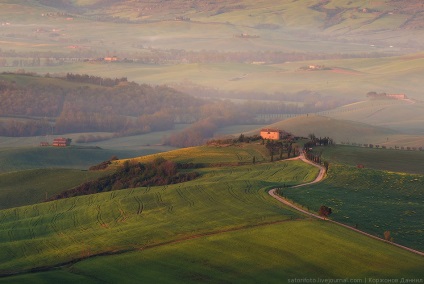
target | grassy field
x=224, y=222
x=380, y=159
x=375, y=201
x=50, y=233
x=33, y=186
x=289, y=27
x=151, y=141
x=222, y=227
x=214, y=155
x=221, y=21
x=24, y=158
x=351, y=78
x=405, y=117
x=288, y=250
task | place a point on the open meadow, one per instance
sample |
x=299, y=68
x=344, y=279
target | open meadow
x=383, y=49
x=74, y=157
x=401, y=161
x=386, y=195
x=134, y=218
x=219, y=227
x=273, y=253
x=35, y=186
x=350, y=78
x=404, y=116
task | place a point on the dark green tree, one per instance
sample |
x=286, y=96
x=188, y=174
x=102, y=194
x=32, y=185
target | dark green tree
x=324, y=211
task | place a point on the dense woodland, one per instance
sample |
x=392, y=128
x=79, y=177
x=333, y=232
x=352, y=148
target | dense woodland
x=86, y=104
x=121, y=107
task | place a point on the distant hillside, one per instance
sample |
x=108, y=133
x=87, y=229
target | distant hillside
x=33, y=106
x=349, y=130
x=404, y=116
x=331, y=12
x=339, y=130
x=212, y=25
x=328, y=14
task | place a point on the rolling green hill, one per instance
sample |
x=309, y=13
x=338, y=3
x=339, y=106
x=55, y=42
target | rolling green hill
x=401, y=161
x=261, y=254
x=34, y=186
x=23, y=158
x=134, y=218
x=222, y=227
x=374, y=201
x=226, y=210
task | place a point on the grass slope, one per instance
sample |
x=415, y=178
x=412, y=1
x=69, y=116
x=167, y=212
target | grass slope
x=333, y=15
x=221, y=227
x=17, y=159
x=381, y=159
x=375, y=201
x=211, y=155
x=352, y=78
x=281, y=252
x=32, y=186
x=401, y=116
x=51, y=233
x=339, y=130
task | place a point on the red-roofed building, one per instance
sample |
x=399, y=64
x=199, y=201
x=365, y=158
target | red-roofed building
x=275, y=134
x=271, y=134
x=62, y=142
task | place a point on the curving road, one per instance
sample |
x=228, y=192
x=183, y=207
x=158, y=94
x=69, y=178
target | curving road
x=321, y=175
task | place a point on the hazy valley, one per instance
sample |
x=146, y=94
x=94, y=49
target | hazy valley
x=168, y=174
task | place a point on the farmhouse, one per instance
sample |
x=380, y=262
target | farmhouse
x=62, y=142
x=380, y=96
x=110, y=59
x=397, y=96
x=273, y=134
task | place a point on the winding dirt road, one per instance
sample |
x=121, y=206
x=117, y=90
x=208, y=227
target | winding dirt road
x=320, y=177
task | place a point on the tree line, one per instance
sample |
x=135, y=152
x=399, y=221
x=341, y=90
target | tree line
x=149, y=55
x=132, y=175
x=121, y=107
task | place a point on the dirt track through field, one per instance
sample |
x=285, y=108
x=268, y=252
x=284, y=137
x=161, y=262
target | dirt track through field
x=320, y=177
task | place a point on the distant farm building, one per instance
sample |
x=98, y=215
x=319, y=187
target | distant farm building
x=398, y=96
x=182, y=18
x=62, y=142
x=44, y=144
x=374, y=95
x=274, y=134
x=111, y=59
